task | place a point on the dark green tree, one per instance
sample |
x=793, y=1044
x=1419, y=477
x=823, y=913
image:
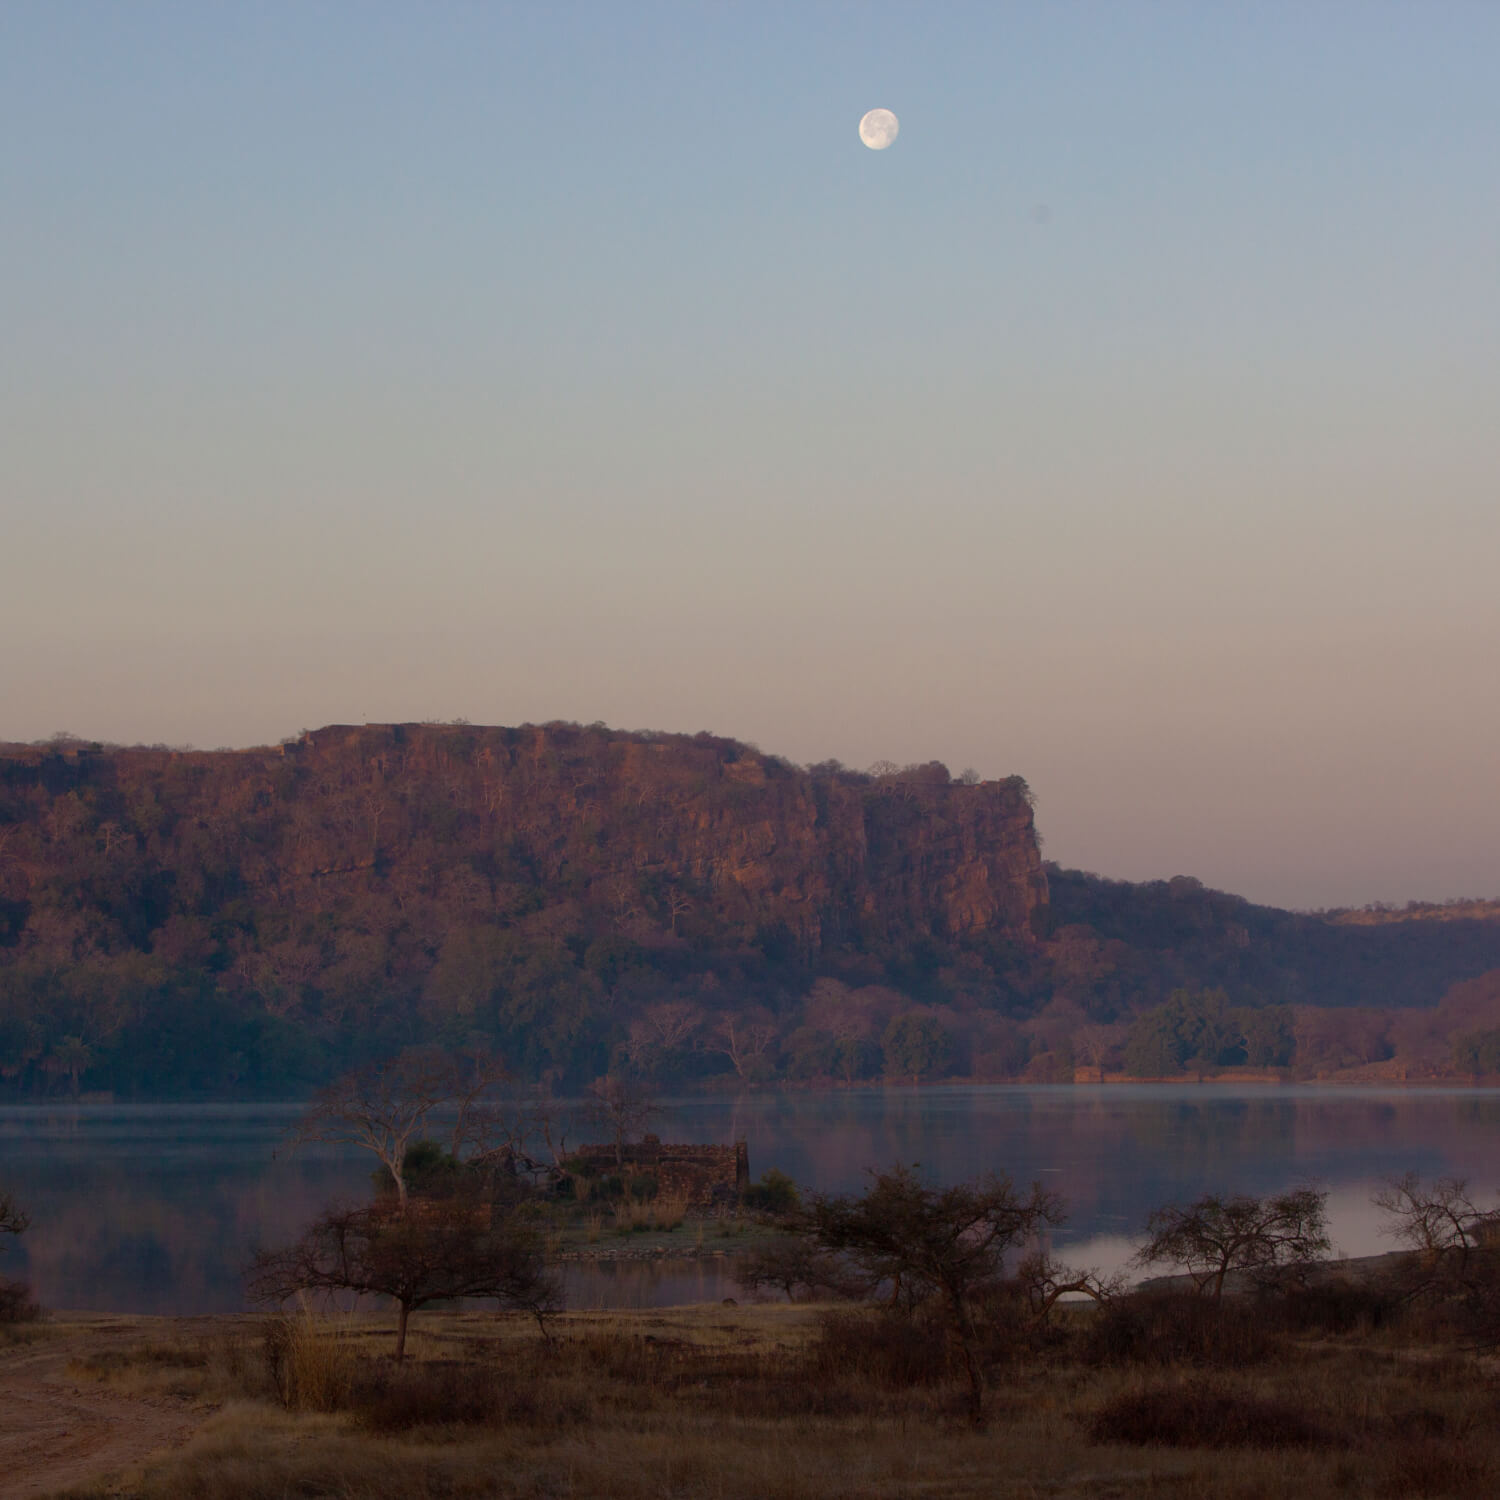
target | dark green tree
x=917, y=1046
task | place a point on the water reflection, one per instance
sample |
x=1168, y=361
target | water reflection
x=157, y=1208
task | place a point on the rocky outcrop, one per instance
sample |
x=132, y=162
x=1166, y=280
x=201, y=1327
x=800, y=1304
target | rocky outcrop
x=557, y=827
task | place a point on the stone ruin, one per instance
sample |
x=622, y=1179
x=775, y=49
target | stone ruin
x=703, y=1175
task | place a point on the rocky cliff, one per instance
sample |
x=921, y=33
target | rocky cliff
x=660, y=836
x=361, y=884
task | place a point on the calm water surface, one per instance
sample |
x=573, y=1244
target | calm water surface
x=156, y=1209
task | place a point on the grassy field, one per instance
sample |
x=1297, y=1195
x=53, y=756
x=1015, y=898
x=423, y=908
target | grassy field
x=790, y=1401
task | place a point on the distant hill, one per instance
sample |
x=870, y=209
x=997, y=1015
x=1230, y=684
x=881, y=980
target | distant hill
x=207, y=923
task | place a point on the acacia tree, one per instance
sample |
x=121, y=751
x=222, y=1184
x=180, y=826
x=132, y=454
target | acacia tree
x=943, y=1246
x=1214, y=1236
x=454, y=1247
x=796, y=1266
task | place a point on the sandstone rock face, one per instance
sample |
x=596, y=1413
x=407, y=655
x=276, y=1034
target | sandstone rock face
x=659, y=837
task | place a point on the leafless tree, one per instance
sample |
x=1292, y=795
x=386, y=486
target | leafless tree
x=13, y=1218
x=1044, y=1282
x=679, y=904
x=744, y=1043
x=451, y=1248
x=662, y=1029
x=1457, y=1245
x=1214, y=1236
x=1441, y=1222
x=385, y=1107
x=623, y=1106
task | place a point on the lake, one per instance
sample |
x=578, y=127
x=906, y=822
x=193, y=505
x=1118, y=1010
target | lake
x=156, y=1208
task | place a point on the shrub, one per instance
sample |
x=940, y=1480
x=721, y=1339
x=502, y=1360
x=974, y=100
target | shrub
x=1164, y=1328
x=1181, y=1416
x=1332, y=1307
x=885, y=1348
x=16, y=1305
x=775, y=1193
x=1435, y=1466
x=437, y=1394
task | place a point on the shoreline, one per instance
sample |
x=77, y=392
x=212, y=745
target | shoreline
x=1084, y=1078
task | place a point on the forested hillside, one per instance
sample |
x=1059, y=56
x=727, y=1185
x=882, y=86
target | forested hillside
x=195, y=923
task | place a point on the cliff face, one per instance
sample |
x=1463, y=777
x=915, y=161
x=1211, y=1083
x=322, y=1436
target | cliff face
x=658, y=837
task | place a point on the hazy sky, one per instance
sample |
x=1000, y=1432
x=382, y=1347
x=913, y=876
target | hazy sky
x=1132, y=423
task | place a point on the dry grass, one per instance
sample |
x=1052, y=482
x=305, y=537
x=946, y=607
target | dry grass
x=787, y=1402
x=662, y=1214
x=310, y=1360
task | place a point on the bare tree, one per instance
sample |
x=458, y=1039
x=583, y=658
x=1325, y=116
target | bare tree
x=456, y=1247
x=478, y=1120
x=663, y=1029
x=678, y=903
x=1044, y=1282
x=385, y=1107
x=1457, y=1245
x=744, y=1043
x=1214, y=1236
x=623, y=1106
x=1441, y=1222
x=13, y=1218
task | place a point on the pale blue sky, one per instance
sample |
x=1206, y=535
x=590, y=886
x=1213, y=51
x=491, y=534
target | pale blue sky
x=1133, y=423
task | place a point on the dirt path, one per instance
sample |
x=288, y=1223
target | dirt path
x=57, y=1431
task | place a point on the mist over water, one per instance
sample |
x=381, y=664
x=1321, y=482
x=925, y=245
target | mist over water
x=157, y=1208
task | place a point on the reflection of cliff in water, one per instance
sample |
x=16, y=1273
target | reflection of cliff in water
x=157, y=1209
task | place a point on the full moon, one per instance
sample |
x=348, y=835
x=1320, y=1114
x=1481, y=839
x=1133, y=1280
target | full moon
x=878, y=129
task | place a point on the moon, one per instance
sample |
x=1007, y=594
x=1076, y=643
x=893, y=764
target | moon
x=878, y=129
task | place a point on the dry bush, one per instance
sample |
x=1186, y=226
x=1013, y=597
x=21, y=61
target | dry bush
x=886, y=1349
x=671, y=1210
x=310, y=1362
x=1337, y=1306
x=1435, y=1465
x=1204, y=1416
x=635, y=1215
x=1168, y=1328
x=108, y=1362
x=433, y=1394
x=16, y=1305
